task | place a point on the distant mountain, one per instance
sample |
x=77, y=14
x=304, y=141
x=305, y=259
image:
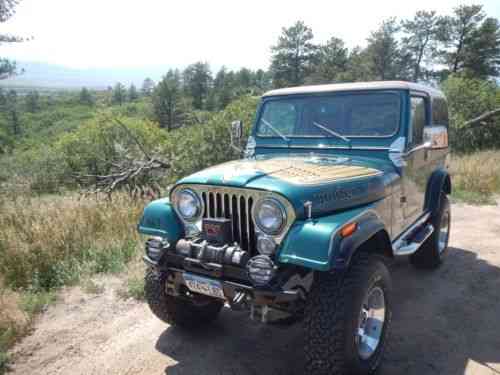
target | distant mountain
x=48, y=76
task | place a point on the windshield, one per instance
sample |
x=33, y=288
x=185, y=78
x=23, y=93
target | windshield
x=335, y=116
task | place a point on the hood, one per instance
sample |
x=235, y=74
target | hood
x=329, y=182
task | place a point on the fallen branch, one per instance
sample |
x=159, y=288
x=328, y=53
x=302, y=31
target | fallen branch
x=134, y=138
x=129, y=176
x=129, y=173
x=482, y=117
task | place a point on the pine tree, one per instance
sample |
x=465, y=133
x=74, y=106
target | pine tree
x=471, y=42
x=293, y=55
x=168, y=105
x=3, y=98
x=420, y=41
x=331, y=63
x=483, y=57
x=119, y=94
x=7, y=9
x=197, y=83
x=86, y=97
x=383, y=52
x=12, y=112
x=223, y=87
x=133, y=95
x=32, y=101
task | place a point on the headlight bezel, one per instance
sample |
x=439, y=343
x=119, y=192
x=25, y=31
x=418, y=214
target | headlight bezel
x=199, y=206
x=283, y=216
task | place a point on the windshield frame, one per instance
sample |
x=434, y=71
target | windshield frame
x=265, y=100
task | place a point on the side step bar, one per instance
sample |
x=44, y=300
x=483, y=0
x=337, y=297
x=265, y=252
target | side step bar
x=411, y=240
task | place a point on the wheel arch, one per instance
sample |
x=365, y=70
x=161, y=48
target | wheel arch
x=331, y=250
x=370, y=237
x=439, y=181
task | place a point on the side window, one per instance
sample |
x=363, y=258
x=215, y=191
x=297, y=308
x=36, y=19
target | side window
x=439, y=112
x=418, y=120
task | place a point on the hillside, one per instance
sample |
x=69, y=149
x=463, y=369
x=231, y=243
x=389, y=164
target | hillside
x=48, y=76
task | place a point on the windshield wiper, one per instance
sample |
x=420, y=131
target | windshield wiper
x=334, y=133
x=276, y=131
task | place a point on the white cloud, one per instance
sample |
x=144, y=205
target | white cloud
x=123, y=33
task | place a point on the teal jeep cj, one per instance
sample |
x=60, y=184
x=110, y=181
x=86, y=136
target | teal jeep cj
x=336, y=182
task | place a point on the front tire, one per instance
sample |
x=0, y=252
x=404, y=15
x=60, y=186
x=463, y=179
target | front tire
x=347, y=318
x=431, y=253
x=175, y=310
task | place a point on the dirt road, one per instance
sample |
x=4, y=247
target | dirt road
x=445, y=322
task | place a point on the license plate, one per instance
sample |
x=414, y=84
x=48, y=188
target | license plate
x=203, y=285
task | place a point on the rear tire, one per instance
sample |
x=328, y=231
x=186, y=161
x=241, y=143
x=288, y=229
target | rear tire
x=174, y=310
x=339, y=324
x=432, y=252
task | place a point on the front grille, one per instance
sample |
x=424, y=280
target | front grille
x=238, y=208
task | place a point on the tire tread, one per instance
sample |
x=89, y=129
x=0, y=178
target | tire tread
x=173, y=310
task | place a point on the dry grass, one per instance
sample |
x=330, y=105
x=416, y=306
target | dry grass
x=49, y=242
x=134, y=283
x=13, y=321
x=476, y=177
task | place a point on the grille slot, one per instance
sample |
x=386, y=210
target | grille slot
x=238, y=208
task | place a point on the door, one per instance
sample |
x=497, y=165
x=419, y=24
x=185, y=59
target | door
x=418, y=167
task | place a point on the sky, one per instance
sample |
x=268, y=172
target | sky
x=128, y=34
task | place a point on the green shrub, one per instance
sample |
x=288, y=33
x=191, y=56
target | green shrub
x=4, y=359
x=467, y=99
x=33, y=303
x=194, y=148
x=96, y=145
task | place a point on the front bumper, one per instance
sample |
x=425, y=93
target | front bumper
x=234, y=292
x=235, y=282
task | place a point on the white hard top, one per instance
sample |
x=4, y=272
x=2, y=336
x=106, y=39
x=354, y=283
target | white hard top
x=356, y=86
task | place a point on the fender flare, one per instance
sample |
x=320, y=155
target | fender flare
x=369, y=225
x=159, y=219
x=439, y=181
x=317, y=244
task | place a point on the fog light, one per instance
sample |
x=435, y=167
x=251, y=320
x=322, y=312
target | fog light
x=266, y=245
x=261, y=270
x=155, y=247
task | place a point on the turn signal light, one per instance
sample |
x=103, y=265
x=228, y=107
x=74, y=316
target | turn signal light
x=348, y=229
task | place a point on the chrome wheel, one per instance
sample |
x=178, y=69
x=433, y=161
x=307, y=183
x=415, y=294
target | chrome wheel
x=371, y=323
x=444, y=231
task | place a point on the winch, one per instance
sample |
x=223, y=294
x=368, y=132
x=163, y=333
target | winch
x=204, y=251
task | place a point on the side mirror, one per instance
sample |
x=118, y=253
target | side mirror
x=236, y=134
x=436, y=136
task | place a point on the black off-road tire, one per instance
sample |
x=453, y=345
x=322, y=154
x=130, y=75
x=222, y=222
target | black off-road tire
x=332, y=318
x=429, y=256
x=174, y=310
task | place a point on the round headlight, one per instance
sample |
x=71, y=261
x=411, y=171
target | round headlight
x=188, y=204
x=270, y=216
